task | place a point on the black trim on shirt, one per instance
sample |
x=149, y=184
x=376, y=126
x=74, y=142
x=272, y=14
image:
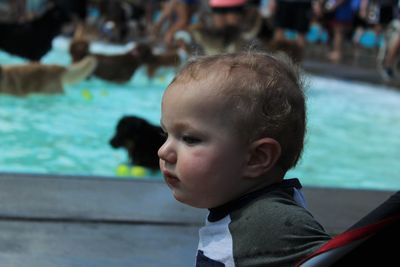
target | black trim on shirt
x=220, y=212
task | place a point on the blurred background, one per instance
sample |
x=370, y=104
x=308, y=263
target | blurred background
x=81, y=83
x=348, y=51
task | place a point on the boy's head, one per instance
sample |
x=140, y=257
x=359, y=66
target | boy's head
x=263, y=96
x=250, y=104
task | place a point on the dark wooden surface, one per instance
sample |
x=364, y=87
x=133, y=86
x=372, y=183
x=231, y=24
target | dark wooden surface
x=94, y=221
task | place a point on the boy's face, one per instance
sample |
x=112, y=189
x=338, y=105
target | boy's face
x=202, y=159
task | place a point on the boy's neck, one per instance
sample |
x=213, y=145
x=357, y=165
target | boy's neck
x=274, y=176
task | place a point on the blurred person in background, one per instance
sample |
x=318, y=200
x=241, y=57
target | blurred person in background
x=175, y=15
x=338, y=16
x=227, y=13
x=292, y=15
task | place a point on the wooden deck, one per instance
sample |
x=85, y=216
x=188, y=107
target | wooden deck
x=93, y=221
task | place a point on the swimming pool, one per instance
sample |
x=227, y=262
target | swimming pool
x=352, y=138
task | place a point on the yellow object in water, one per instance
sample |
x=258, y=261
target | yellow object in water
x=161, y=78
x=138, y=171
x=123, y=170
x=86, y=94
x=135, y=171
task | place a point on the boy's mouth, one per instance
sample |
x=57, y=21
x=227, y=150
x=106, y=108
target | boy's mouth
x=170, y=178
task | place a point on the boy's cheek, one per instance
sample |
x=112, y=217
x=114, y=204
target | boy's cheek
x=197, y=165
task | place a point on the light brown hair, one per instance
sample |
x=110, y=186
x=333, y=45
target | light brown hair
x=264, y=92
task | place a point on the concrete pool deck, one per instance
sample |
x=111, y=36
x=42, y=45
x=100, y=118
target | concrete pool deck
x=358, y=64
x=348, y=73
x=94, y=221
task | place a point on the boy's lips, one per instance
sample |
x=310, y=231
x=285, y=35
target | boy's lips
x=170, y=178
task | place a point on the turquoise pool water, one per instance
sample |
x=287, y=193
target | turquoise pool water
x=352, y=140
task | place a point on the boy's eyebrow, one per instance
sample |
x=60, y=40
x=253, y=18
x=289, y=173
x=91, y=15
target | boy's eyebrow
x=178, y=126
x=186, y=127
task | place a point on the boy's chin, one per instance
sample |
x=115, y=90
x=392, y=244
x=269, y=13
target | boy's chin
x=188, y=202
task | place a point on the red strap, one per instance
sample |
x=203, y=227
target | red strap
x=352, y=235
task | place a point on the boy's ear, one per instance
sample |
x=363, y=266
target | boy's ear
x=263, y=154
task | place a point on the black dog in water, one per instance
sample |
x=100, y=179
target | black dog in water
x=141, y=140
x=32, y=39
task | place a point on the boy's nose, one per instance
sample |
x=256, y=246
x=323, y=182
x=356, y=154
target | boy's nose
x=167, y=153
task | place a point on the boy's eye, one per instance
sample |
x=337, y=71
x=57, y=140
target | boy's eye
x=190, y=140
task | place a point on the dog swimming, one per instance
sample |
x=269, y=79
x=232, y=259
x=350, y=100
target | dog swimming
x=140, y=139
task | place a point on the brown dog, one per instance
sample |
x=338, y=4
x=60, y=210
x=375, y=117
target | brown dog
x=28, y=78
x=166, y=60
x=113, y=68
x=120, y=68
